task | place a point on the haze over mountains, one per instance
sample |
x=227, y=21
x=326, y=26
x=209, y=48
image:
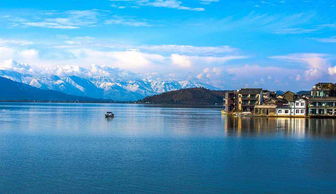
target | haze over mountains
x=100, y=82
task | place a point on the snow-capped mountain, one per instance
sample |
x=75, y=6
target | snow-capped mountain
x=96, y=81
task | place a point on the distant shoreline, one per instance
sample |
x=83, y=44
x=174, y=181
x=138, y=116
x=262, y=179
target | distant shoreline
x=70, y=102
x=116, y=102
x=182, y=105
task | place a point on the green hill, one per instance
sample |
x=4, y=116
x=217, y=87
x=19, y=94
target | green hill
x=191, y=96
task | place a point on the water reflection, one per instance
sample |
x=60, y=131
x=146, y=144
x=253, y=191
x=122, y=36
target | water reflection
x=140, y=121
x=89, y=120
x=298, y=127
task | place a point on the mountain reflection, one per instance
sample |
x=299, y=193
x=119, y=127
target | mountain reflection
x=298, y=127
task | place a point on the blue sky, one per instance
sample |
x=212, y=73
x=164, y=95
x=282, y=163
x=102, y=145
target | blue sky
x=274, y=44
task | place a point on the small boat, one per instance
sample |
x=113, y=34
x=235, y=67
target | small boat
x=109, y=115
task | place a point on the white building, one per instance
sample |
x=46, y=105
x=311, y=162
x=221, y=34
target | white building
x=283, y=110
x=297, y=109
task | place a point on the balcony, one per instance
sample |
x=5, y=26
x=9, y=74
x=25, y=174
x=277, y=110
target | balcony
x=249, y=98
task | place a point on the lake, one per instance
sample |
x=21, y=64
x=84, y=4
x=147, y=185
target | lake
x=72, y=148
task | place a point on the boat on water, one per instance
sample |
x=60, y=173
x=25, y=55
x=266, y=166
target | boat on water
x=109, y=115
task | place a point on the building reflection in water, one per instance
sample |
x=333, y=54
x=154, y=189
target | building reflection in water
x=296, y=127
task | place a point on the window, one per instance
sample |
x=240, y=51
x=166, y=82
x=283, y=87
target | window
x=302, y=111
x=297, y=111
x=297, y=104
x=302, y=104
x=286, y=111
x=313, y=111
x=279, y=111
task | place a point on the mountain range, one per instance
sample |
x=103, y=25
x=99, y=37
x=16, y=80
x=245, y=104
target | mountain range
x=14, y=91
x=100, y=82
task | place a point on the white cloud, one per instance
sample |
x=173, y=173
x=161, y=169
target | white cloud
x=209, y=72
x=129, y=59
x=270, y=77
x=277, y=24
x=135, y=59
x=127, y=22
x=206, y=2
x=29, y=54
x=170, y=4
x=327, y=40
x=249, y=71
x=215, y=60
x=72, y=19
x=190, y=50
x=68, y=20
x=6, y=52
x=332, y=70
x=294, y=30
x=186, y=61
x=15, y=42
x=181, y=61
x=85, y=51
x=317, y=64
x=173, y=4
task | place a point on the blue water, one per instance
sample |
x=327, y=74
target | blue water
x=72, y=148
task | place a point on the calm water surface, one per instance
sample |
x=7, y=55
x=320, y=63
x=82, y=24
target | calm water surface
x=72, y=148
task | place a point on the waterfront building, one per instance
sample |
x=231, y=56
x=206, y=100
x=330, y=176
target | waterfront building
x=323, y=90
x=297, y=108
x=284, y=110
x=267, y=95
x=323, y=100
x=229, y=101
x=258, y=102
x=248, y=98
x=325, y=106
x=265, y=110
x=243, y=100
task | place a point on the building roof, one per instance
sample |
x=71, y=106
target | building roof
x=324, y=83
x=322, y=99
x=250, y=91
x=324, y=86
x=284, y=107
x=288, y=92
